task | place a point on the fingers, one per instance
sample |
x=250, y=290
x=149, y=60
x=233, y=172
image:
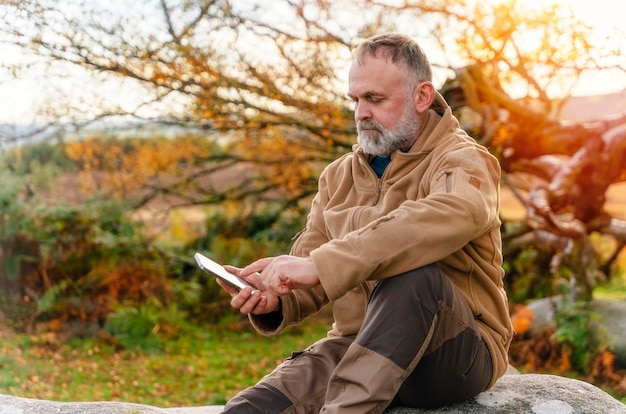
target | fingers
x=231, y=290
x=247, y=300
x=250, y=300
x=232, y=269
x=271, y=275
x=280, y=284
x=257, y=266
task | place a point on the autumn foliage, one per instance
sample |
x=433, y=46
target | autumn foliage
x=124, y=167
x=576, y=344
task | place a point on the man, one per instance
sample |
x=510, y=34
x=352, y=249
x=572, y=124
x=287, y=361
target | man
x=403, y=237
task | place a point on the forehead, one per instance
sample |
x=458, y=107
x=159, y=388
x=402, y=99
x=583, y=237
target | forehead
x=375, y=73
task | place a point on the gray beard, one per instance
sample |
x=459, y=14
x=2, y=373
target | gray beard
x=378, y=140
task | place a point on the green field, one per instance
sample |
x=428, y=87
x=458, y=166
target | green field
x=199, y=367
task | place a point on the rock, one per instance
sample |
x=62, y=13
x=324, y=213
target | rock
x=533, y=393
x=527, y=393
x=211, y=409
x=18, y=405
x=544, y=310
x=612, y=313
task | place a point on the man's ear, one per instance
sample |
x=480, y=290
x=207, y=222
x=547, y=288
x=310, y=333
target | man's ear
x=423, y=96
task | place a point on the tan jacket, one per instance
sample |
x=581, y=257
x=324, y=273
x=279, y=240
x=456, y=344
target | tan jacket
x=439, y=202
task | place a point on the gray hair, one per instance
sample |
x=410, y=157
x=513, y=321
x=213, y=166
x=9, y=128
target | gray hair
x=400, y=49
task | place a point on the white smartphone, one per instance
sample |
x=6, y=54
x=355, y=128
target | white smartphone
x=218, y=271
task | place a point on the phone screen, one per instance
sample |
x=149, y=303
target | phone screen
x=218, y=271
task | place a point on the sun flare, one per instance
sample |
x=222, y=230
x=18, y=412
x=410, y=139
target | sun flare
x=606, y=29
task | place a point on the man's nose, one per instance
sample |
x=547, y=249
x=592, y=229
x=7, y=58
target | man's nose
x=362, y=111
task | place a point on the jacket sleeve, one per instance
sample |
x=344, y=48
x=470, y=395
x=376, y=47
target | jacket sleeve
x=300, y=303
x=461, y=203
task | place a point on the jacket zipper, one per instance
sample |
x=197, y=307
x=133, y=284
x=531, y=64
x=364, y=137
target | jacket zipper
x=379, y=190
x=379, y=183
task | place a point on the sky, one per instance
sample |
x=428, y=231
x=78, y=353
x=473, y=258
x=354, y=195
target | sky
x=603, y=16
x=20, y=97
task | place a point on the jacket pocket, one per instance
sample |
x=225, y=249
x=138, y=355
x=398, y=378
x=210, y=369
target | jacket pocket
x=376, y=223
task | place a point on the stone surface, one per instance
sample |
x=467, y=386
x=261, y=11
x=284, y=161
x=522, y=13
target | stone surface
x=17, y=405
x=612, y=312
x=527, y=393
x=211, y=409
x=534, y=394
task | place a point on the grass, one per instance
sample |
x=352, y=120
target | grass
x=199, y=367
x=615, y=288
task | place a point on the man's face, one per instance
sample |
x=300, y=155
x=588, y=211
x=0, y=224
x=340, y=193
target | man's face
x=384, y=112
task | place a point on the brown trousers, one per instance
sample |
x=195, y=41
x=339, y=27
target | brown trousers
x=419, y=346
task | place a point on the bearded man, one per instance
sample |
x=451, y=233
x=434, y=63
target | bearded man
x=403, y=237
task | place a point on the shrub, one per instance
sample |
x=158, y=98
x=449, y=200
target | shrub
x=580, y=331
x=77, y=262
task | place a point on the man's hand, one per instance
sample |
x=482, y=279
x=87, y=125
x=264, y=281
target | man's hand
x=281, y=274
x=249, y=300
